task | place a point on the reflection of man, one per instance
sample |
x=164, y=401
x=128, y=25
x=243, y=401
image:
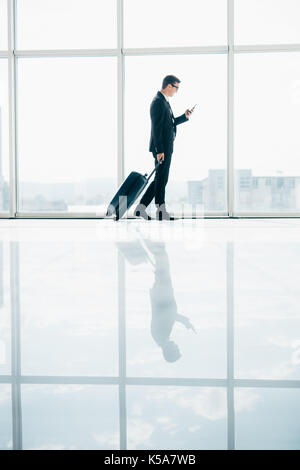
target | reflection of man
x=163, y=304
x=163, y=132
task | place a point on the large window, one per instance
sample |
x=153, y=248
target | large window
x=157, y=23
x=267, y=21
x=198, y=158
x=3, y=25
x=267, y=145
x=4, y=138
x=66, y=24
x=67, y=129
x=77, y=80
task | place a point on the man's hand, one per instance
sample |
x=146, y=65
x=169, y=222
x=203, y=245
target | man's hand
x=160, y=157
x=188, y=112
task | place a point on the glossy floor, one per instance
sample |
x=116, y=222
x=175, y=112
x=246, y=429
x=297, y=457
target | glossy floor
x=150, y=335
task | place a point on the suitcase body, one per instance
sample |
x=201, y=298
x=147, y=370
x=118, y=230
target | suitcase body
x=128, y=192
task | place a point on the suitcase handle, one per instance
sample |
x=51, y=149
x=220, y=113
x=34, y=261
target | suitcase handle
x=156, y=166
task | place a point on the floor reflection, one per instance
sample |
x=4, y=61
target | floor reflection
x=163, y=304
x=144, y=342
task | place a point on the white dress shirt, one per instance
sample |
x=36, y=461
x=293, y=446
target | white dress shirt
x=167, y=98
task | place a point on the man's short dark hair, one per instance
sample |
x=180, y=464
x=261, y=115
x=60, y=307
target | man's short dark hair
x=169, y=79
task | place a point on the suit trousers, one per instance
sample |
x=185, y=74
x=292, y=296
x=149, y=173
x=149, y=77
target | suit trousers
x=157, y=187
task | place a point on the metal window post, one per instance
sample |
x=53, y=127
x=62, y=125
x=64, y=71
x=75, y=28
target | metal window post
x=120, y=91
x=12, y=108
x=230, y=107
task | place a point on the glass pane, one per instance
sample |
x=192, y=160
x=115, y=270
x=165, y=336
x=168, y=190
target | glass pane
x=198, y=169
x=267, y=145
x=6, y=414
x=267, y=21
x=176, y=418
x=66, y=24
x=70, y=417
x=5, y=310
x=4, y=138
x=67, y=133
x=68, y=327
x=191, y=23
x=3, y=25
x=172, y=318
x=267, y=297
x=267, y=419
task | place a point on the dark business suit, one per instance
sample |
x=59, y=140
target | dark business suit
x=163, y=133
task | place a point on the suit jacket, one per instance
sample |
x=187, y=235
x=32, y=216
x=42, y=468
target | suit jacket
x=163, y=125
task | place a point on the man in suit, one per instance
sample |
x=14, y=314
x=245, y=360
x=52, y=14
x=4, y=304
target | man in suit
x=163, y=133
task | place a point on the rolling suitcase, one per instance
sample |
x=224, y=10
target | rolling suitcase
x=128, y=192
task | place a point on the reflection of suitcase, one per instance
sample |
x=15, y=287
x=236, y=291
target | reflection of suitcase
x=128, y=192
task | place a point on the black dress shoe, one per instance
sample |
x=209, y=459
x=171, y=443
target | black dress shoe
x=141, y=212
x=164, y=215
